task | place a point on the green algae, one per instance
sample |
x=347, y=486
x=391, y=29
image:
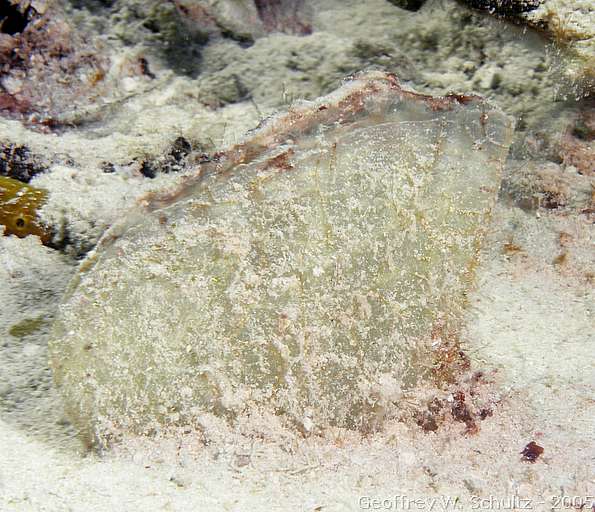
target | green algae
x=27, y=327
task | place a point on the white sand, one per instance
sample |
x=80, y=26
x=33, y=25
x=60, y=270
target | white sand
x=531, y=327
x=532, y=323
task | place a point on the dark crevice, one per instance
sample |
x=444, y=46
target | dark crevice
x=17, y=162
x=93, y=6
x=504, y=7
x=13, y=20
x=409, y=5
x=245, y=41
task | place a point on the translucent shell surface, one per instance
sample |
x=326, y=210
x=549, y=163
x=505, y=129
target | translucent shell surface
x=313, y=271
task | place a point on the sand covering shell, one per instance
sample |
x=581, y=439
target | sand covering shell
x=313, y=271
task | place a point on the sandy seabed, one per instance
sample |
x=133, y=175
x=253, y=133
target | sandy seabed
x=530, y=327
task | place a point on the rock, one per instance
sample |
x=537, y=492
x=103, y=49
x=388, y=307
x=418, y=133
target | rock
x=281, y=68
x=289, y=16
x=46, y=67
x=245, y=20
x=571, y=26
x=239, y=20
x=313, y=271
x=17, y=162
x=577, y=145
x=532, y=185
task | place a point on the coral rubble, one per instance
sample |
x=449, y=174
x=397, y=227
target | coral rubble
x=46, y=66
